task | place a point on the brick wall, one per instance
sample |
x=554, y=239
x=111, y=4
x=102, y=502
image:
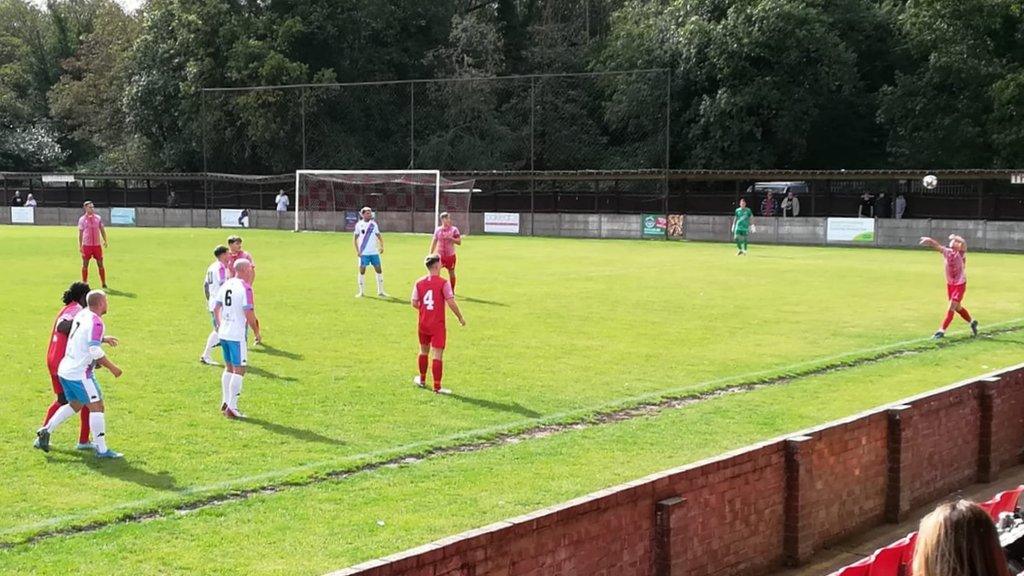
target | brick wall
x=755, y=509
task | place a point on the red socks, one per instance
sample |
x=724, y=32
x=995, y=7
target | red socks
x=103, y=275
x=85, y=274
x=83, y=431
x=49, y=411
x=948, y=320
x=438, y=369
x=965, y=314
x=423, y=369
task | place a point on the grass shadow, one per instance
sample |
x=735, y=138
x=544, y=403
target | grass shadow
x=509, y=407
x=272, y=351
x=268, y=374
x=119, y=293
x=297, y=433
x=388, y=300
x=122, y=469
x=480, y=301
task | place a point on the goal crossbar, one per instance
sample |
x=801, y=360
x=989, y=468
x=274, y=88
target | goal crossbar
x=436, y=174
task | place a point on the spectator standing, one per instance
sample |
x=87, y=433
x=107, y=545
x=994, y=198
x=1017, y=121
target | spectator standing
x=282, y=202
x=867, y=206
x=959, y=539
x=30, y=202
x=17, y=201
x=790, y=205
x=768, y=205
x=883, y=206
x=901, y=206
x=172, y=199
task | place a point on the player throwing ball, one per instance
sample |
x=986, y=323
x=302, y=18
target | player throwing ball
x=90, y=232
x=430, y=295
x=234, y=311
x=216, y=275
x=956, y=280
x=77, y=378
x=446, y=238
x=369, y=245
x=741, y=224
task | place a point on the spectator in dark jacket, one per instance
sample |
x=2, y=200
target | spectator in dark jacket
x=17, y=200
x=867, y=206
x=768, y=205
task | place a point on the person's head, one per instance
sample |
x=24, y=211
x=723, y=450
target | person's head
x=366, y=213
x=30, y=196
x=88, y=207
x=790, y=194
x=234, y=243
x=96, y=300
x=958, y=539
x=446, y=219
x=433, y=264
x=17, y=192
x=243, y=270
x=957, y=243
x=76, y=293
x=743, y=202
x=222, y=253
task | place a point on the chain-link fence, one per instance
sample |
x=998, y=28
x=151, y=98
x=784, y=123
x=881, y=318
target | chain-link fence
x=587, y=121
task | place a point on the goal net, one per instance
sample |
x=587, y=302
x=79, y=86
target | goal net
x=402, y=200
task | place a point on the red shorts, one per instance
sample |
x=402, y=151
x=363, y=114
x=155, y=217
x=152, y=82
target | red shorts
x=448, y=262
x=434, y=337
x=92, y=252
x=956, y=292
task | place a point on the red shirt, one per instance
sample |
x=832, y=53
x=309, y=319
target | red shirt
x=59, y=341
x=432, y=292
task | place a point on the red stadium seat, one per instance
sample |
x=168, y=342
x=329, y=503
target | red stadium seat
x=889, y=560
x=1005, y=502
x=859, y=568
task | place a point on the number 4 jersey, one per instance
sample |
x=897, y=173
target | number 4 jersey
x=235, y=297
x=432, y=292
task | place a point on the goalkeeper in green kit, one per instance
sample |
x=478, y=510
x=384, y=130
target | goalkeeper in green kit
x=741, y=227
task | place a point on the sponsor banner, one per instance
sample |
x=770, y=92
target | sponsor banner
x=654, y=225
x=58, y=178
x=851, y=230
x=122, y=216
x=675, y=227
x=1017, y=178
x=231, y=218
x=23, y=215
x=501, y=222
x=351, y=218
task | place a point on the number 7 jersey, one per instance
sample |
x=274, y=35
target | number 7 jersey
x=432, y=292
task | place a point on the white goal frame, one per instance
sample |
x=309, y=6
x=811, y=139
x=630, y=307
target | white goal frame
x=435, y=173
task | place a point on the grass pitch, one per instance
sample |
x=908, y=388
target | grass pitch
x=558, y=330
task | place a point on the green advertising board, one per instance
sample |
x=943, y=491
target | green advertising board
x=654, y=225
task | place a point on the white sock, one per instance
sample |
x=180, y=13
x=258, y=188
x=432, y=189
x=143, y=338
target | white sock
x=362, y=282
x=225, y=387
x=380, y=283
x=236, y=391
x=98, y=425
x=211, y=340
x=62, y=414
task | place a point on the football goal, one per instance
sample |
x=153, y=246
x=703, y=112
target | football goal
x=405, y=199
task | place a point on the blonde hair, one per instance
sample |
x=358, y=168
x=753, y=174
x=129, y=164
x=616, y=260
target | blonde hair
x=958, y=539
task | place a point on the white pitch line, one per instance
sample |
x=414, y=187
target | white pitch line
x=479, y=434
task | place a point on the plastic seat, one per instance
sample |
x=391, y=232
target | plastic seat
x=889, y=560
x=859, y=568
x=1005, y=502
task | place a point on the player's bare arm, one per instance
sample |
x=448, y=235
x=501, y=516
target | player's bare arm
x=103, y=232
x=380, y=243
x=106, y=363
x=254, y=323
x=111, y=341
x=930, y=242
x=457, y=239
x=355, y=244
x=455, y=310
x=433, y=245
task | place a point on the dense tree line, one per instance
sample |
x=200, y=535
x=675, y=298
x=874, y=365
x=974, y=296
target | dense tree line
x=754, y=84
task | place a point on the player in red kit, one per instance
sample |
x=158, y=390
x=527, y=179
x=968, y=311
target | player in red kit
x=430, y=295
x=956, y=281
x=446, y=238
x=90, y=232
x=74, y=300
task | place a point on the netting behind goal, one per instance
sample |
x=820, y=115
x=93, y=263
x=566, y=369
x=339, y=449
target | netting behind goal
x=402, y=200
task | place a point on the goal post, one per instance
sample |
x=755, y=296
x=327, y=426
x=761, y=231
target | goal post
x=326, y=199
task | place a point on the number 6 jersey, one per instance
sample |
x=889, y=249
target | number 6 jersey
x=234, y=298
